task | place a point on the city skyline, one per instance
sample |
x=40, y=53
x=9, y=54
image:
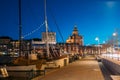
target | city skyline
x=93, y=19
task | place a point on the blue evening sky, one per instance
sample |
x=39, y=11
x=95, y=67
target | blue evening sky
x=94, y=18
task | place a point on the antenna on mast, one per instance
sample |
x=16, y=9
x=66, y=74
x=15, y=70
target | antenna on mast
x=46, y=25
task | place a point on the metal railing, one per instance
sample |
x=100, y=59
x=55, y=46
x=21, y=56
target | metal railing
x=24, y=74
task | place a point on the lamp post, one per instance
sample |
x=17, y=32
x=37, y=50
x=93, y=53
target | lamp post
x=97, y=39
x=115, y=34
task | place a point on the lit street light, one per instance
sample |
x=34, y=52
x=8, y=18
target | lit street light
x=97, y=39
x=115, y=34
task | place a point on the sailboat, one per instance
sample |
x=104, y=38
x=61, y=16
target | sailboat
x=47, y=34
x=22, y=64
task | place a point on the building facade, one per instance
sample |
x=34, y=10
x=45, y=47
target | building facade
x=75, y=37
x=5, y=45
x=51, y=37
x=75, y=42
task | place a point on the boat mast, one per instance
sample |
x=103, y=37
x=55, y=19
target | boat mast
x=46, y=25
x=20, y=29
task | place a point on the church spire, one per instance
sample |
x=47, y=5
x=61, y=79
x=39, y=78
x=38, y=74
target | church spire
x=75, y=30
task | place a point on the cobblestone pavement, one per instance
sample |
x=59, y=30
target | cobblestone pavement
x=84, y=69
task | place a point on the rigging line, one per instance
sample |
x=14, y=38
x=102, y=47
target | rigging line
x=56, y=24
x=30, y=33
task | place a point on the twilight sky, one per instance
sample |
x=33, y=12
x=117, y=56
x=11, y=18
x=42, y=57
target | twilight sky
x=94, y=18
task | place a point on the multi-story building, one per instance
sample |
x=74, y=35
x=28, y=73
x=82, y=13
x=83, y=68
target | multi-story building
x=5, y=45
x=75, y=37
x=25, y=45
x=51, y=37
x=75, y=42
x=15, y=44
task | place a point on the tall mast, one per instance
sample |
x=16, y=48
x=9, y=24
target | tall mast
x=20, y=29
x=46, y=25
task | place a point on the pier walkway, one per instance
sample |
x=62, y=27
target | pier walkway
x=84, y=69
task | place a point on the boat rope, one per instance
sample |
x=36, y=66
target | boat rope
x=30, y=33
x=55, y=21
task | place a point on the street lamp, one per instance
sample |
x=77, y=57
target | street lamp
x=115, y=34
x=97, y=39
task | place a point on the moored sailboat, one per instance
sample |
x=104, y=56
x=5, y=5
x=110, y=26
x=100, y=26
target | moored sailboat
x=52, y=59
